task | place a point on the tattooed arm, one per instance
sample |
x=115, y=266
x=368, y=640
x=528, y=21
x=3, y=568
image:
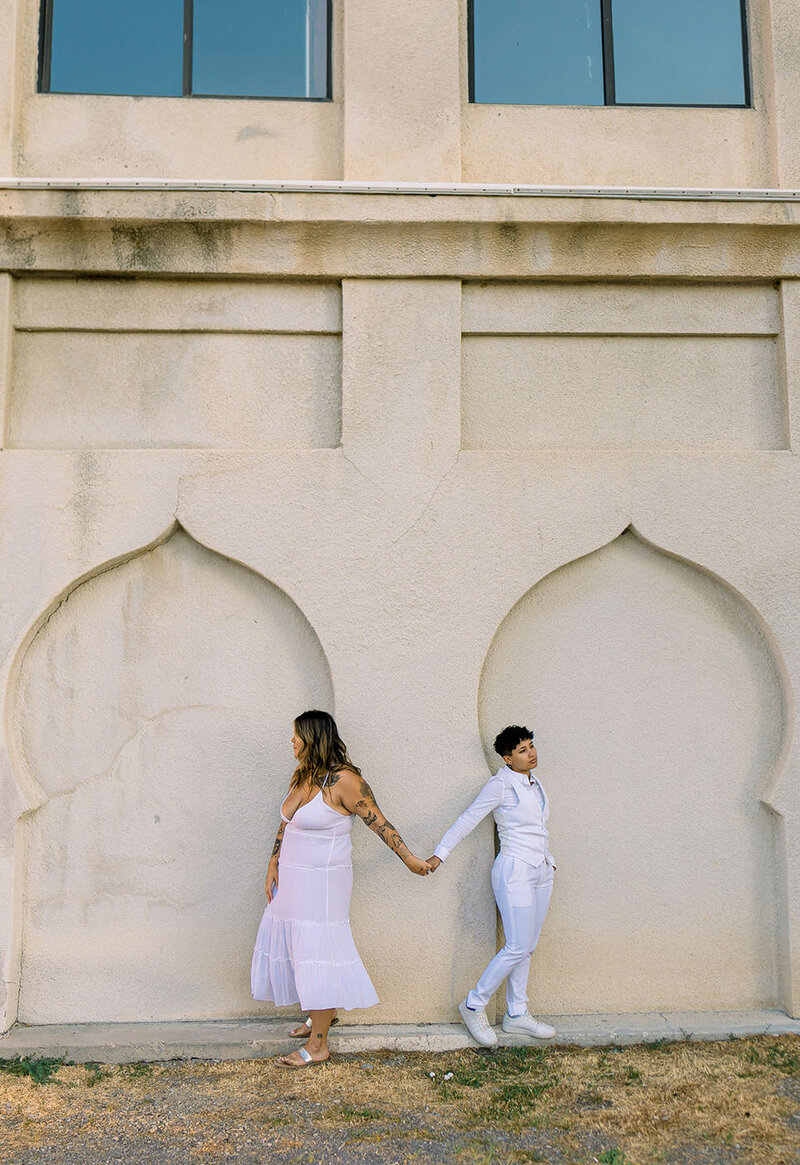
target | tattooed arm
x=355, y=795
x=276, y=849
x=272, y=868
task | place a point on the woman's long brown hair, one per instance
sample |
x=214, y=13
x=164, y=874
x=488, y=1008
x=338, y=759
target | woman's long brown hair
x=323, y=748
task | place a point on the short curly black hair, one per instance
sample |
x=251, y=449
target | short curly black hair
x=506, y=741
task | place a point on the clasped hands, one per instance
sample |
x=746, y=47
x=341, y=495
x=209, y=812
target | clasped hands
x=417, y=866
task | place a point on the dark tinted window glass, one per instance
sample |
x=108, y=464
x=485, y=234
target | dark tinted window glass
x=538, y=52
x=260, y=48
x=684, y=52
x=117, y=46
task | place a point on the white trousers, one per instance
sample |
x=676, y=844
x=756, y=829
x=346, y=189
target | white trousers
x=522, y=893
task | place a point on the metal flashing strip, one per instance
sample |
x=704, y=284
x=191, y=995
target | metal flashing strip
x=429, y=189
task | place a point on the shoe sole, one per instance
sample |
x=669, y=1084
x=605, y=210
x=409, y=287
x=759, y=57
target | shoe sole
x=521, y=1031
x=483, y=1043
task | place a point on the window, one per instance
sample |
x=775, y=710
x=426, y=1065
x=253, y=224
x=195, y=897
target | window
x=189, y=48
x=608, y=52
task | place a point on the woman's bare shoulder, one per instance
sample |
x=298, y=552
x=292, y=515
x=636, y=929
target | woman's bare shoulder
x=345, y=778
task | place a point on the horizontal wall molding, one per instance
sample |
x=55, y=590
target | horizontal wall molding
x=621, y=366
x=102, y=305
x=469, y=189
x=143, y=235
x=507, y=308
x=122, y=363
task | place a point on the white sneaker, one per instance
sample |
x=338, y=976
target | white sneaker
x=478, y=1025
x=528, y=1026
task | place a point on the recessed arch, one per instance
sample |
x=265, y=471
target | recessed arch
x=152, y=709
x=660, y=707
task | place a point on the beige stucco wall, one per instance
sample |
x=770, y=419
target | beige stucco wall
x=151, y=831
x=400, y=112
x=662, y=710
x=61, y=134
x=434, y=463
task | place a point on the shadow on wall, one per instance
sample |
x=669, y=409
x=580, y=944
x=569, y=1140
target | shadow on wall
x=154, y=711
x=659, y=712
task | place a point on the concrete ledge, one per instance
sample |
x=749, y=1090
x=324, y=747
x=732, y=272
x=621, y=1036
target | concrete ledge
x=252, y=1039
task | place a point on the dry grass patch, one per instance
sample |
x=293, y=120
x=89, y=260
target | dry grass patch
x=647, y=1101
x=736, y=1100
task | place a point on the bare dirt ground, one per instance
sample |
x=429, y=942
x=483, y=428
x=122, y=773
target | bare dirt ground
x=730, y=1103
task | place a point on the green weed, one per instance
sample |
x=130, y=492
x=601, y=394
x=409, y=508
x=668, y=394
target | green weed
x=348, y=1112
x=786, y=1060
x=95, y=1073
x=39, y=1070
x=484, y=1152
x=487, y=1067
x=659, y=1045
x=514, y=1102
x=137, y=1069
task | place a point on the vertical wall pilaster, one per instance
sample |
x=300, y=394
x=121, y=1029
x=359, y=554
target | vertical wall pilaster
x=789, y=897
x=8, y=73
x=402, y=91
x=790, y=358
x=9, y=801
x=786, y=96
x=401, y=428
x=401, y=371
x=5, y=351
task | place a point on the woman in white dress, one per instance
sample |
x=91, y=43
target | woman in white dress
x=522, y=880
x=304, y=951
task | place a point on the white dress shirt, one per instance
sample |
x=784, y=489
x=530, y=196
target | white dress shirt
x=521, y=811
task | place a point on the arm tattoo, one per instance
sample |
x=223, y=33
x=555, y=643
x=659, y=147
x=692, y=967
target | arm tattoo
x=276, y=849
x=370, y=814
x=387, y=832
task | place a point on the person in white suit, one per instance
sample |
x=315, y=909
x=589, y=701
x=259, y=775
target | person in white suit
x=522, y=880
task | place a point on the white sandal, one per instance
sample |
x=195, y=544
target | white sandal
x=308, y=1060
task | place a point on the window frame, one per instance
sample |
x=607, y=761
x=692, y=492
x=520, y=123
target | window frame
x=609, y=93
x=46, y=48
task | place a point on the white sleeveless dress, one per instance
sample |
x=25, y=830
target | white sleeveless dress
x=304, y=950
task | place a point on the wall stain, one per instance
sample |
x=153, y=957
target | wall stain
x=134, y=249
x=19, y=248
x=254, y=131
x=215, y=244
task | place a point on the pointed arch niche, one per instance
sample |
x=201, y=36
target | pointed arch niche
x=153, y=712
x=659, y=711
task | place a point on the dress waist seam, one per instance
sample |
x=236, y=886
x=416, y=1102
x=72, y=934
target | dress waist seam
x=317, y=869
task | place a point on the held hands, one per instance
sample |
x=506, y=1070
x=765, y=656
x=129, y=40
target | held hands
x=417, y=866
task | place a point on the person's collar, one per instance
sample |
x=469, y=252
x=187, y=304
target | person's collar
x=511, y=774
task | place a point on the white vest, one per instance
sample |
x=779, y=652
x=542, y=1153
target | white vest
x=522, y=826
x=520, y=811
